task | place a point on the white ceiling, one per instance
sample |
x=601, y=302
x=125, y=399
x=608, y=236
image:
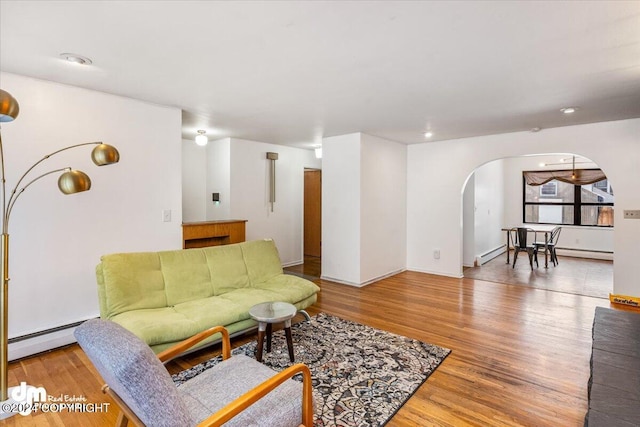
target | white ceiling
x=294, y=72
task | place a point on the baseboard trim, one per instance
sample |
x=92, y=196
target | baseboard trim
x=368, y=282
x=292, y=263
x=435, y=273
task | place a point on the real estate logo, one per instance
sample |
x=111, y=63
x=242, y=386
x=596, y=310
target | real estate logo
x=25, y=399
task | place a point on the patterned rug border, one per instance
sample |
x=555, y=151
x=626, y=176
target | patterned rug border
x=361, y=375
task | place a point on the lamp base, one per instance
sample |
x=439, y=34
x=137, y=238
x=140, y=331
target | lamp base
x=11, y=406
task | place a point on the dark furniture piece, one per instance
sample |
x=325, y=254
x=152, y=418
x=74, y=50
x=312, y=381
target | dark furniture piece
x=614, y=385
x=268, y=313
x=550, y=245
x=213, y=233
x=519, y=240
x=544, y=229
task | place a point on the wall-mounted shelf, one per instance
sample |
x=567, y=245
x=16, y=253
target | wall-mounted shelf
x=212, y=233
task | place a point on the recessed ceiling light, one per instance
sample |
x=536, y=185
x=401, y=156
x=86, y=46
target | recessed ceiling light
x=77, y=59
x=569, y=110
x=428, y=134
x=536, y=129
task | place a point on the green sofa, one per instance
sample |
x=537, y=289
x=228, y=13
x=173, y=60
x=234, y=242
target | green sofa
x=165, y=297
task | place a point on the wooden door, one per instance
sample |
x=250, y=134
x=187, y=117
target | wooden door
x=312, y=212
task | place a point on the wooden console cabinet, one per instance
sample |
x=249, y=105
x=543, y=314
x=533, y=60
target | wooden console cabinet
x=212, y=233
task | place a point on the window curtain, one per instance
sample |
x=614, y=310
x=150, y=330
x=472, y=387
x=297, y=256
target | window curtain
x=577, y=177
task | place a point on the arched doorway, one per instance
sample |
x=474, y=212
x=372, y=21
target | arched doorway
x=495, y=197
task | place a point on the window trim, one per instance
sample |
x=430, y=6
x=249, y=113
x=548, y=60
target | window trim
x=577, y=205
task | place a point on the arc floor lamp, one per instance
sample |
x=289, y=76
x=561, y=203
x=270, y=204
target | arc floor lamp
x=70, y=181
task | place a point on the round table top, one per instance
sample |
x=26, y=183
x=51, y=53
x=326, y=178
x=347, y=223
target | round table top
x=272, y=312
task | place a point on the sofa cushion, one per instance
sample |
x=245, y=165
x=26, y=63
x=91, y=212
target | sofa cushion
x=227, y=268
x=289, y=288
x=262, y=260
x=159, y=325
x=186, y=275
x=131, y=281
x=212, y=311
x=169, y=324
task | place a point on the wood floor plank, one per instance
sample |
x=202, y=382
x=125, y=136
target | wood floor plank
x=520, y=356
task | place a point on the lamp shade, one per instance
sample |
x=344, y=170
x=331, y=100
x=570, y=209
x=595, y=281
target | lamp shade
x=105, y=154
x=74, y=181
x=9, y=107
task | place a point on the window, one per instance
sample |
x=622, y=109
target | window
x=559, y=202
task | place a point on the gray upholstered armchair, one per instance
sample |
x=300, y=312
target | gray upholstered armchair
x=237, y=391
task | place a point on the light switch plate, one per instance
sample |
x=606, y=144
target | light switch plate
x=632, y=214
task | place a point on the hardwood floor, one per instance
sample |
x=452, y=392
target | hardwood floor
x=310, y=268
x=520, y=355
x=581, y=276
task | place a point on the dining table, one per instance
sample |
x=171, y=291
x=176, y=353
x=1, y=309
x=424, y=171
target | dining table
x=546, y=229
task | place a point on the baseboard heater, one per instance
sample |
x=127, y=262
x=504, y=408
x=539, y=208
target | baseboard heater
x=41, y=341
x=60, y=336
x=585, y=253
x=491, y=254
x=584, y=250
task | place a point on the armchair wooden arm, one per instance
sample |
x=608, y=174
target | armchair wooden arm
x=185, y=345
x=258, y=392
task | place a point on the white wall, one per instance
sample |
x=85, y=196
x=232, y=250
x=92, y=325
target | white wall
x=383, y=207
x=57, y=240
x=206, y=170
x=490, y=200
x=583, y=238
x=194, y=181
x=469, y=222
x=239, y=171
x=218, y=173
x=363, y=208
x=614, y=146
x=250, y=194
x=341, y=208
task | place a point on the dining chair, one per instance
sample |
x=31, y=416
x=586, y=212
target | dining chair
x=238, y=391
x=550, y=245
x=519, y=240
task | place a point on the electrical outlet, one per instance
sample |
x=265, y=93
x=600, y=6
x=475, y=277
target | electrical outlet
x=629, y=214
x=436, y=254
x=166, y=215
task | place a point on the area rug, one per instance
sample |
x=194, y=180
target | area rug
x=361, y=375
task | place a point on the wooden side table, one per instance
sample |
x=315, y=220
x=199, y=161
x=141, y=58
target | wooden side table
x=268, y=313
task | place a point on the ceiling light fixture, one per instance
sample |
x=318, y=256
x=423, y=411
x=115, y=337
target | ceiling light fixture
x=428, y=134
x=201, y=138
x=566, y=161
x=76, y=59
x=569, y=110
x=536, y=129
